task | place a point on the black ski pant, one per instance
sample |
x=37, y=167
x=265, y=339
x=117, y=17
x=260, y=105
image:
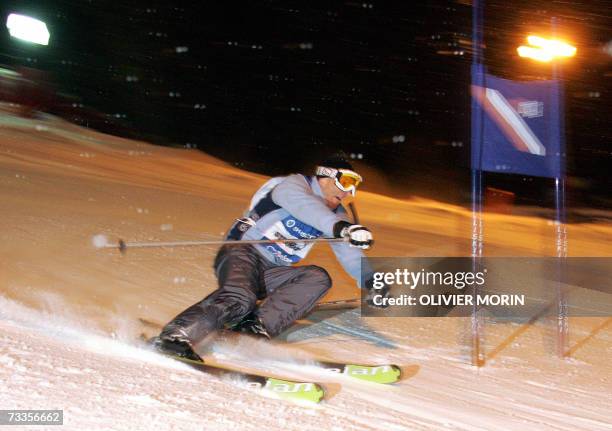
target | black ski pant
x=245, y=276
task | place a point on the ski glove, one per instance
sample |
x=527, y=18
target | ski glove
x=358, y=235
x=380, y=294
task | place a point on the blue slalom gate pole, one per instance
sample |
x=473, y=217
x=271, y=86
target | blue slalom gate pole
x=476, y=324
x=562, y=322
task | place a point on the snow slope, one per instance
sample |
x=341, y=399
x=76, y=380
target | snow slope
x=69, y=312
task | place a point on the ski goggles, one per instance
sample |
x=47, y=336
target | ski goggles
x=345, y=179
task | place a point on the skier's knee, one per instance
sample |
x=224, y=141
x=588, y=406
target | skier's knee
x=319, y=277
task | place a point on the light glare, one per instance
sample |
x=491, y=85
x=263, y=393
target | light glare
x=28, y=29
x=545, y=50
x=534, y=53
x=558, y=48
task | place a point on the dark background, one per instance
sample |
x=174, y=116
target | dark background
x=273, y=86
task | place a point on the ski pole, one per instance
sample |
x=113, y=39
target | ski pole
x=123, y=246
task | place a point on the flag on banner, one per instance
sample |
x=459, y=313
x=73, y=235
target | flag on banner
x=516, y=126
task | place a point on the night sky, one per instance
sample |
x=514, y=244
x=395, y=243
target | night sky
x=271, y=86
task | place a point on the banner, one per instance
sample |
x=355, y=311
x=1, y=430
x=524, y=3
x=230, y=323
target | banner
x=516, y=126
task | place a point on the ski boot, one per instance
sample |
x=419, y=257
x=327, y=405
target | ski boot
x=174, y=346
x=251, y=325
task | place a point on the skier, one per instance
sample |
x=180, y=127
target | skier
x=294, y=207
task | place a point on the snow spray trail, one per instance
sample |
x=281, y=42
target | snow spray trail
x=69, y=331
x=72, y=327
x=98, y=389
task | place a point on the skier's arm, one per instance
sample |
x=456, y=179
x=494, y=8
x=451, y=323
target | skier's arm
x=351, y=257
x=295, y=195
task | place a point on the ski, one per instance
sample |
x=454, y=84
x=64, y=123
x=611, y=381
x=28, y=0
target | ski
x=381, y=374
x=295, y=391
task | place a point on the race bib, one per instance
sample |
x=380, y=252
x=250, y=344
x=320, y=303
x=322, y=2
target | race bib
x=292, y=229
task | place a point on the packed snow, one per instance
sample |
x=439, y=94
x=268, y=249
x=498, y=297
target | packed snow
x=71, y=311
